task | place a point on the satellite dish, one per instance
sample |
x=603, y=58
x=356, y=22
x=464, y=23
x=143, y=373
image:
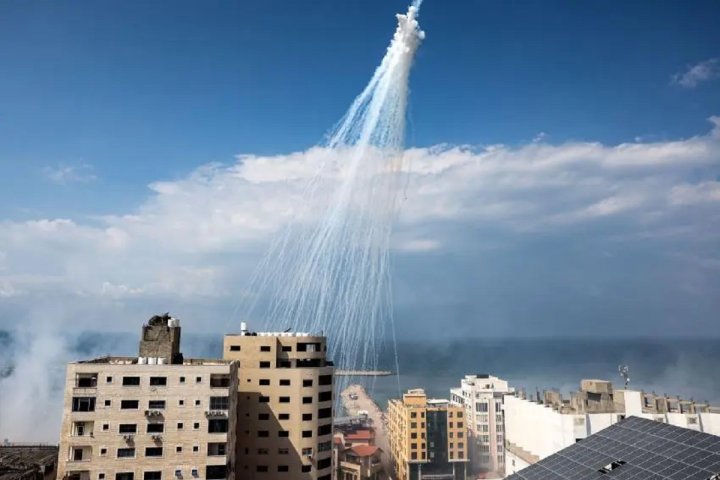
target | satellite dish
x=624, y=373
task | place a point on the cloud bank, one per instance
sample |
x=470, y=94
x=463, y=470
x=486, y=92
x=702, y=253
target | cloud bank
x=192, y=244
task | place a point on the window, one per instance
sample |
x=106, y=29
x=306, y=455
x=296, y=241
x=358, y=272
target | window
x=103, y=451
x=180, y=425
x=181, y=403
x=108, y=403
x=217, y=449
x=285, y=399
x=283, y=468
x=108, y=379
x=413, y=424
x=215, y=472
x=325, y=412
x=413, y=435
x=262, y=451
x=325, y=396
x=264, y=348
x=196, y=448
x=284, y=364
x=219, y=403
x=284, y=383
x=307, y=383
x=129, y=404
x=219, y=380
x=283, y=451
x=324, y=463
x=83, y=404
x=157, y=475
x=101, y=476
x=306, y=417
x=198, y=379
x=284, y=416
x=307, y=400
x=124, y=476
x=413, y=414
x=283, y=434
x=263, y=399
x=325, y=380
x=324, y=446
x=307, y=451
x=218, y=425
x=131, y=381
x=156, y=404
x=307, y=434
x=460, y=414
x=481, y=407
x=197, y=403
x=127, y=428
x=306, y=468
x=325, y=430
x=263, y=416
x=234, y=348
x=126, y=452
x=287, y=348
x=155, y=427
x=158, y=381
x=77, y=454
x=153, y=451
x=261, y=468
x=182, y=379
x=106, y=426
x=265, y=365
x=196, y=426
x=264, y=381
x=178, y=449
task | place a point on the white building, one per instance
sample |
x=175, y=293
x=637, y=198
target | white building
x=537, y=428
x=482, y=397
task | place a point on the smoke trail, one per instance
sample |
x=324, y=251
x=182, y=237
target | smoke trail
x=333, y=275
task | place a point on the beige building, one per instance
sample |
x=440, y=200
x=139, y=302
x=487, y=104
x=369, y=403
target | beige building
x=482, y=398
x=427, y=437
x=156, y=416
x=285, y=405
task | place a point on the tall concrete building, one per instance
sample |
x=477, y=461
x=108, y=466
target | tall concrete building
x=482, y=398
x=538, y=427
x=285, y=405
x=427, y=437
x=156, y=416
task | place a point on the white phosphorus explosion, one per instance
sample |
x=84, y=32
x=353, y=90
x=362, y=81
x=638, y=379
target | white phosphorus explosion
x=331, y=274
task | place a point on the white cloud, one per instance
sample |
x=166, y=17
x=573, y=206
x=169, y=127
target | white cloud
x=698, y=73
x=196, y=239
x=67, y=174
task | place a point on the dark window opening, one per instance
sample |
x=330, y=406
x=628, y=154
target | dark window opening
x=152, y=475
x=155, y=427
x=218, y=425
x=131, y=381
x=83, y=404
x=129, y=404
x=153, y=451
x=158, y=381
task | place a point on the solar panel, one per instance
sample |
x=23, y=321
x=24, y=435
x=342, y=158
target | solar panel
x=633, y=449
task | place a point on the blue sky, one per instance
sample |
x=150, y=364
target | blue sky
x=99, y=100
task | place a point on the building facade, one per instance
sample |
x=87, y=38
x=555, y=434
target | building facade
x=427, y=437
x=538, y=427
x=481, y=396
x=285, y=405
x=149, y=418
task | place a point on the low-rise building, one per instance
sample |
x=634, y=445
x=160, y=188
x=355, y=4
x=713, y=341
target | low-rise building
x=427, y=437
x=538, y=427
x=28, y=462
x=360, y=462
x=482, y=396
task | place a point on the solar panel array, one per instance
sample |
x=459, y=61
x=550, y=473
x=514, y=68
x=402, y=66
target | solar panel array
x=641, y=449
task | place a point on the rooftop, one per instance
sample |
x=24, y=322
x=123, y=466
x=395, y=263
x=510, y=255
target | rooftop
x=17, y=461
x=114, y=360
x=364, y=450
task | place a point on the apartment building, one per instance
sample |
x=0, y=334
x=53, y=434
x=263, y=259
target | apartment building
x=481, y=396
x=157, y=416
x=285, y=405
x=538, y=427
x=427, y=437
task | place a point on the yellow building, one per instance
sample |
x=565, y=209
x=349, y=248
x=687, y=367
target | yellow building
x=427, y=438
x=285, y=405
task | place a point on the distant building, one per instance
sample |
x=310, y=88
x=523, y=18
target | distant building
x=427, y=437
x=285, y=404
x=355, y=454
x=28, y=462
x=633, y=448
x=482, y=398
x=157, y=417
x=536, y=428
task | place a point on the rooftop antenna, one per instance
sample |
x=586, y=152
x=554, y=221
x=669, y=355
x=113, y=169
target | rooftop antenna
x=624, y=373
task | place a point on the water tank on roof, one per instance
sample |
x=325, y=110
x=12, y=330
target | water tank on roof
x=173, y=322
x=142, y=360
x=161, y=361
x=152, y=360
